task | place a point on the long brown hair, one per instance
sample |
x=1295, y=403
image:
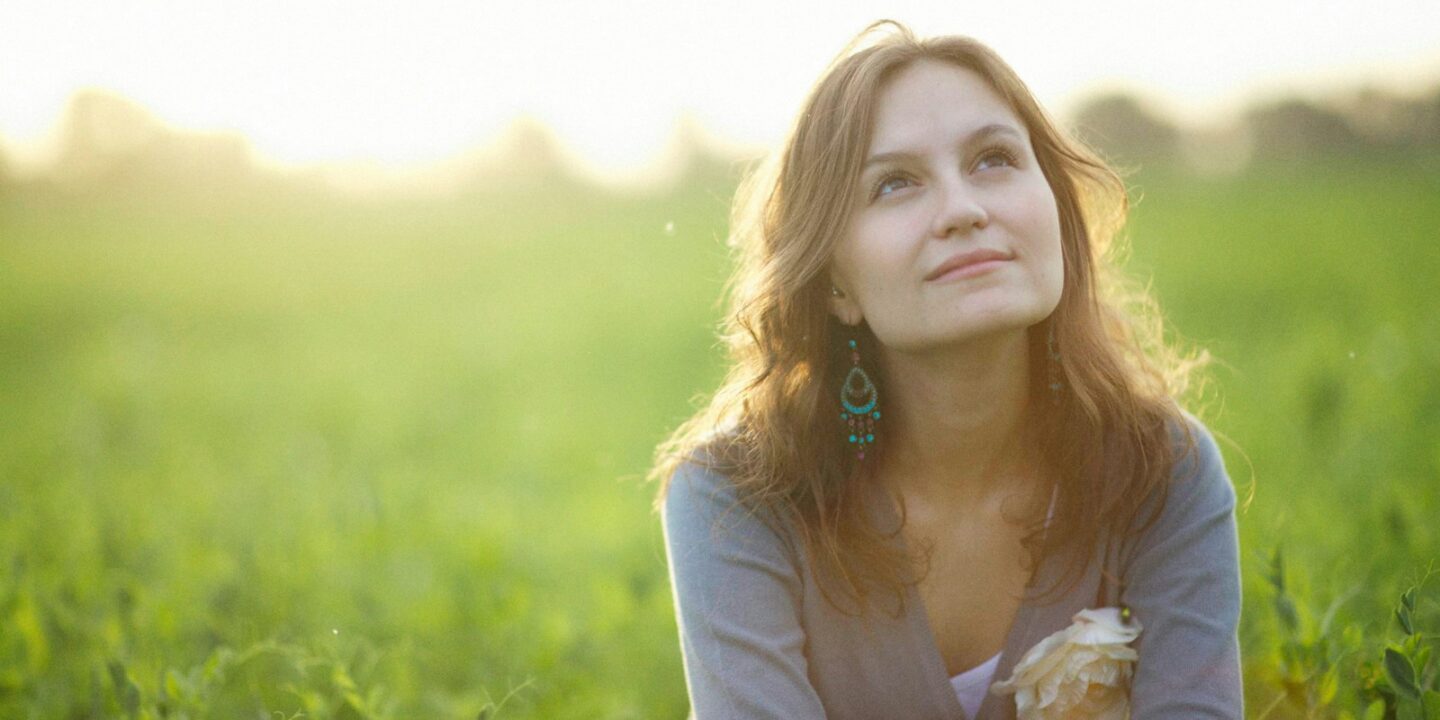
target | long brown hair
x=772, y=427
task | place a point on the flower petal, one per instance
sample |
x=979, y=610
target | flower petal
x=1082, y=670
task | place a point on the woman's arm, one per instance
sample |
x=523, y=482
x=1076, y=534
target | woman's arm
x=1184, y=588
x=737, y=599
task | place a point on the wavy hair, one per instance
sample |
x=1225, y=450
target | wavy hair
x=773, y=425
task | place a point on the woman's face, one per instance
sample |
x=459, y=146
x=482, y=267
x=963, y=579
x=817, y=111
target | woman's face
x=955, y=233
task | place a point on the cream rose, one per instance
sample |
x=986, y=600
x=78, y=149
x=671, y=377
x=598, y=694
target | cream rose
x=1082, y=671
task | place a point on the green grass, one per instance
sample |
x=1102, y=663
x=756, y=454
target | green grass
x=383, y=460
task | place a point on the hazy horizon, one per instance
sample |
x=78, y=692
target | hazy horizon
x=321, y=84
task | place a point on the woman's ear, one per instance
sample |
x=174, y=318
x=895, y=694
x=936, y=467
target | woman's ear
x=843, y=307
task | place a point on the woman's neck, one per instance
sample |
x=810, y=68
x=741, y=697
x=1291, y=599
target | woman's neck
x=956, y=432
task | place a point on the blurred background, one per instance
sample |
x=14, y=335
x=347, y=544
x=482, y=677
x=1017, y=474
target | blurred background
x=336, y=338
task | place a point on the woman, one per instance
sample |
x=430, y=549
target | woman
x=945, y=434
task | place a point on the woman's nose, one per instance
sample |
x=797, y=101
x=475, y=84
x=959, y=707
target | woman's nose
x=960, y=209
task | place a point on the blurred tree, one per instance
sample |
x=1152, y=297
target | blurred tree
x=1295, y=129
x=526, y=157
x=111, y=145
x=1394, y=121
x=5, y=180
x=98, y=131
x=1126, y=131
x=699, y=158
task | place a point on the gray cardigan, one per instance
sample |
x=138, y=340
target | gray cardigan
x=759, y=640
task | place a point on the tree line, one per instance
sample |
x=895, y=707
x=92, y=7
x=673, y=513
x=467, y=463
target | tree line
x=110, y=145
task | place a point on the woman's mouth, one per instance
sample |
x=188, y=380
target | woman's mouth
x=968, y=264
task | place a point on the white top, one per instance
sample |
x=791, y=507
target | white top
x=972, y=684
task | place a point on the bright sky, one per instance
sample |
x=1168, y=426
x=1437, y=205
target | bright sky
x=418, y=81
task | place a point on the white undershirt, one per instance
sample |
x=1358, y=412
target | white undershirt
x=971, y=685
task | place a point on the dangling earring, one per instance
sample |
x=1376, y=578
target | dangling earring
x=860, y=403
x=1052, y=364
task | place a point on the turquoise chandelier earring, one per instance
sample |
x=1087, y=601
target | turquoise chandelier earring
x=859, y=404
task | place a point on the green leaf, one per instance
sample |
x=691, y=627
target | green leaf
x=1376, y=711
x=1432, y=705
x=1353, y=636
x=1329, y=683
x=342, y=679
x=1409, y=709
x=1402, y=674
x=1410, y=645
x=1330, y=612
x=348, y=711
x=31, y=627
x=217, y=666
x=1403, y=615
x=1408, y=599
x=1285, y=608
x=125, y=688
x=175, y=685
x=10, y=681
x=1277, y=571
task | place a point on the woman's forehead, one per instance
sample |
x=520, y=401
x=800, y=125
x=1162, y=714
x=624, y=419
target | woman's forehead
x=929, y=100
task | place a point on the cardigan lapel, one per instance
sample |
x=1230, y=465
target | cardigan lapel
x=1033, y=622
x=1036, y=620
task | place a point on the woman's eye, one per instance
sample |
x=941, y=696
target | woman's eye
x=995, y=156
x=889, y=184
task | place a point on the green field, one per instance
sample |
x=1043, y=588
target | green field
x=332, y=459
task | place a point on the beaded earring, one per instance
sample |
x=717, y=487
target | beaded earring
x=860, y=404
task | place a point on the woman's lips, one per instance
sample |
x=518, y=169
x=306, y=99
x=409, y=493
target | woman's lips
x=971, y=270
x=970, y=264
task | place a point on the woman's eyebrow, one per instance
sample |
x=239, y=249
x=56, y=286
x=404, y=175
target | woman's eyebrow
x=974, y=137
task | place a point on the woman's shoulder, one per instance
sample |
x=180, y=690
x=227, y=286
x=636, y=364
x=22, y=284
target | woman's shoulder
x=697, y=483
x=704, y=474
x=1199, y=484
x=1187, y=431
x=1196, y=454
x=702, y=497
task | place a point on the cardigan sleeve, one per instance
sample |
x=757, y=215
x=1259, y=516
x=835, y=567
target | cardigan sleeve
x=1183, y=585
x=737, y=598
